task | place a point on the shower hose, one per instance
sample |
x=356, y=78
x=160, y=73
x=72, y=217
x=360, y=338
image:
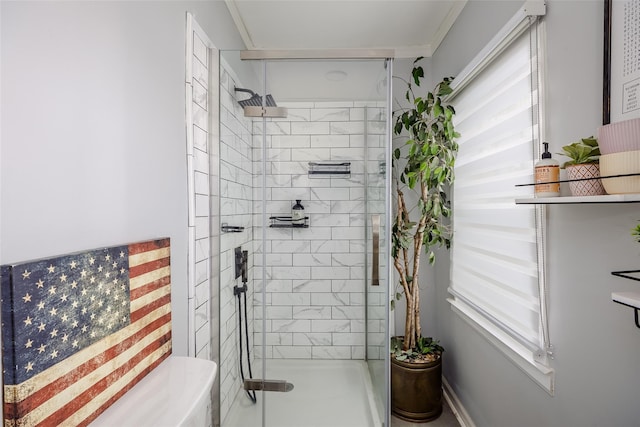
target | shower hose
x=243, y=290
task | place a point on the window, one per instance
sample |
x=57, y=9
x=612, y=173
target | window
x=497, y=268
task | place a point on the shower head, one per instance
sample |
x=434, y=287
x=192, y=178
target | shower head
x=255, y=100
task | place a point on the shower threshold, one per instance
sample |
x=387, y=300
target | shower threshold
x=326, y=393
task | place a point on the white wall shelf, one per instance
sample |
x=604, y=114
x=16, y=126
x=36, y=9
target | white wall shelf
x=630, y=299
x=608, y=198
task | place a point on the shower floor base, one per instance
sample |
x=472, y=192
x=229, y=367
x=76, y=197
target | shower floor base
x=327, y=393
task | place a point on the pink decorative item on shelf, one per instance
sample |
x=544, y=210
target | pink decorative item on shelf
x=620, y=136
x=588, y=187
x=626, y=162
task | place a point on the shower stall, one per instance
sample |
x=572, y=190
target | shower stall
x=304, y=313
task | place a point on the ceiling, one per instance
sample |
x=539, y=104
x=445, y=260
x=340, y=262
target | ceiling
x=409, y=28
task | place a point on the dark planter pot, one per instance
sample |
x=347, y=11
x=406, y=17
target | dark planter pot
x=416, y=390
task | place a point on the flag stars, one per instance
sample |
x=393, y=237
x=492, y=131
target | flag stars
x=114, y=265
x=53, y=311
x=51, y=268
x=74, y=304
x=54, y=333
x=84, y=328
x=63, y=277
x=26, y=274
x=74, y=285
x=28, y=321
x=28, y=344
x=122, y=271
x=121, y=254
x=52, y=290
x=54, y=354
x=41, y=305
x=74, y=324
x=100, y=268
x=29, y=366
x=83, y=273
x=64, y=317
x=107, y=258
x=64, y=298
x=40, y=284
x=92, y=261
x=73, y=264
x=42, y=348
x=74, y=344
x=65, y=338
x=115, y=282
x=92, y=280
x=84, y=291
x=26, y=298
x=42, y=327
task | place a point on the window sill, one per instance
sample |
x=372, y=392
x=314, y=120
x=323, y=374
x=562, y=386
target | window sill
x=518, y=354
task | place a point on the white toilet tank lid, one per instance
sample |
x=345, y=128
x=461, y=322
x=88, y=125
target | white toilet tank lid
x=165, y=397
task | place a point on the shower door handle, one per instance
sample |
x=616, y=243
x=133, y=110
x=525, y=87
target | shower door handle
x=375, y=240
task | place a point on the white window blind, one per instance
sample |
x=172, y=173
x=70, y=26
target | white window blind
x=497, y=255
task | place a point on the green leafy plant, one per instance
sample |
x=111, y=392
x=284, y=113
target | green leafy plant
x=424, y=346
x=424, y=165
x=635, y=232
x=584, y=151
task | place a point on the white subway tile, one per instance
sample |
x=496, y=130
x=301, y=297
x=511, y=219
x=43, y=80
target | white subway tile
x=279, y=338
x=329, y=114
x=311, y=285
x=330, y=273
x=330, y=246
x=310, y=128
x=324, y=325
x=307, y=312
x=331, y=141
x=292, y=272
x=297, y=325
x=347, y=285
x=311, y=338
x=311, y=154
x=331, y=352
x=294, y=298
x=346, y=312
x=351, y=338
x=279, y=312
x=347, y=259
x=312, y=260
x=330, y=194
x=290, y=141
x=293, y=352
x=330, y=299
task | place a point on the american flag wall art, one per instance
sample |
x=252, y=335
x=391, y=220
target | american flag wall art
x=79, y=330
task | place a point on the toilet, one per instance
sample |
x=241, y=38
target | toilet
x=177, y=393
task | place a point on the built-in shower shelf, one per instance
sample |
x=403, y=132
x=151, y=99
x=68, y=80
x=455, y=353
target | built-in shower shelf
x=287, y=222
x=337, y=169
x=225, y=228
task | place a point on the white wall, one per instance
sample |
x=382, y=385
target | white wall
x=93, y=132
x=596, y=341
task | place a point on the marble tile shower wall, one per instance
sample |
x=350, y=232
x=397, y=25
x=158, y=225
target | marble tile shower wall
x=315, y=277
x=236, y=180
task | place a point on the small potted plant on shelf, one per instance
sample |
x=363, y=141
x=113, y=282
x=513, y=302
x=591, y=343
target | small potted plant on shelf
x=424, y=168
x=583, y=170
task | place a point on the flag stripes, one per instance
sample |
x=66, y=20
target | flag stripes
x=76, y=390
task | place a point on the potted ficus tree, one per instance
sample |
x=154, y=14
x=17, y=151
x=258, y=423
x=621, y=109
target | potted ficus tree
x=423, y=168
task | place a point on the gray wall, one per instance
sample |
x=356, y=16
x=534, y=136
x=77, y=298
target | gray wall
x=596, y=341
x=93, y=128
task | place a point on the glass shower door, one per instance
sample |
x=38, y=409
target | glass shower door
x=377, y=185
x=315, y=318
